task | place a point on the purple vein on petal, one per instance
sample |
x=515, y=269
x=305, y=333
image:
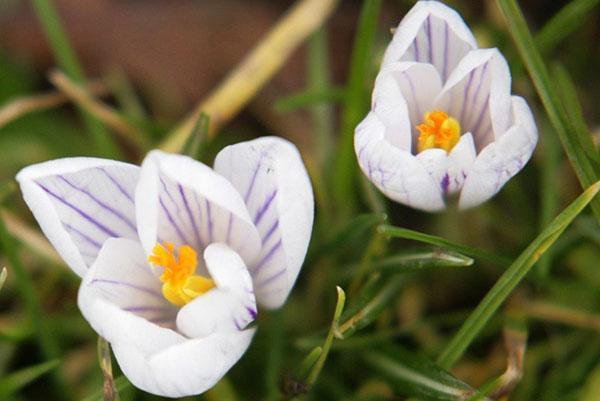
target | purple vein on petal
x=445, y=71
x=466, y=96
x=190, y=215
x=172, y=221
x=272, y=278
x=429, y=39
x=209, y=217
x=116, y=184
x=264, y=207
x=267, y=257
x=229, y=227
x=146, y=290
x=484, y=108
x=100, y=203
x=252, y=181
x=271, y=231
x=166, y=191
x=476, y=95
x=83, y=235
x=83, y=214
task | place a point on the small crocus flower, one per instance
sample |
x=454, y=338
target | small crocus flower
x=442, y=120
x=175, y=255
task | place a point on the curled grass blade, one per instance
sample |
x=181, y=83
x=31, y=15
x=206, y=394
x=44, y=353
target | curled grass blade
x=511, y=278
x=3, y=275
x=398, y=232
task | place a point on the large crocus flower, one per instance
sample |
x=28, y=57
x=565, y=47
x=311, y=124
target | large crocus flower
x=442, y=120
x=175, y=255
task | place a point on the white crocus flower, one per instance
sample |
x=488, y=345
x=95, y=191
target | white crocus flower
x=175, y=255
x=442, y=120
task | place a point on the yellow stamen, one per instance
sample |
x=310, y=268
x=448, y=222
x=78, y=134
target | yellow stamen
x=180, y=285
x=438, y=131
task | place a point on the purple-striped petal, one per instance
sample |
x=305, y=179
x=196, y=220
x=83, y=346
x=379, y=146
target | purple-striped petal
x=183, y=201
x=477, y=94
x=81, y=202
x=395, y=172
x=272, y=179
x=122, y=277
x=502, y=159
x=230, y=306
x=431, y=33
x=403, y=93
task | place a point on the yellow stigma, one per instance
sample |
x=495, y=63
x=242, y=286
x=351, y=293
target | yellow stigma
x=438, y=131
x=180, y=285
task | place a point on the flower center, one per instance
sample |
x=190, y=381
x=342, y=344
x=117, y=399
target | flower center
x=438, y=130
x=180, y=284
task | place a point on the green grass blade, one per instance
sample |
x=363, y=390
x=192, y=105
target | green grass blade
x=14, y=382
x=421, y=260
x=309, y=97
x=355, y=106
x=563, y=23
x=67, y=60
x=568, y=94
x=412, y=375
x=397, y=232
x=538, y=71
x=511, y=278
x=318, y=366
x=3, y=275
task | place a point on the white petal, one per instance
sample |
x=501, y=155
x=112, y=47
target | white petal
x=450, y=170
x=403, y=93
x=185, y=369
x=114, y=291
x=155, y=359
x=477, y=94
x=184, y=201
x=432, y=33
x=79, y=203
x=229, y=307
x=501, y=160
x=397, y=173
x=271, y=177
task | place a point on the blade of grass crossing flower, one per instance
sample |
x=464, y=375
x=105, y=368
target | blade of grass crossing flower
x=412, y=375
x=48, y=346
x=14, y=382
x=569, y=18
x=355, y=106
x=511, y=278
x=557, y=114
x=398, y=232
x=66, y=58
